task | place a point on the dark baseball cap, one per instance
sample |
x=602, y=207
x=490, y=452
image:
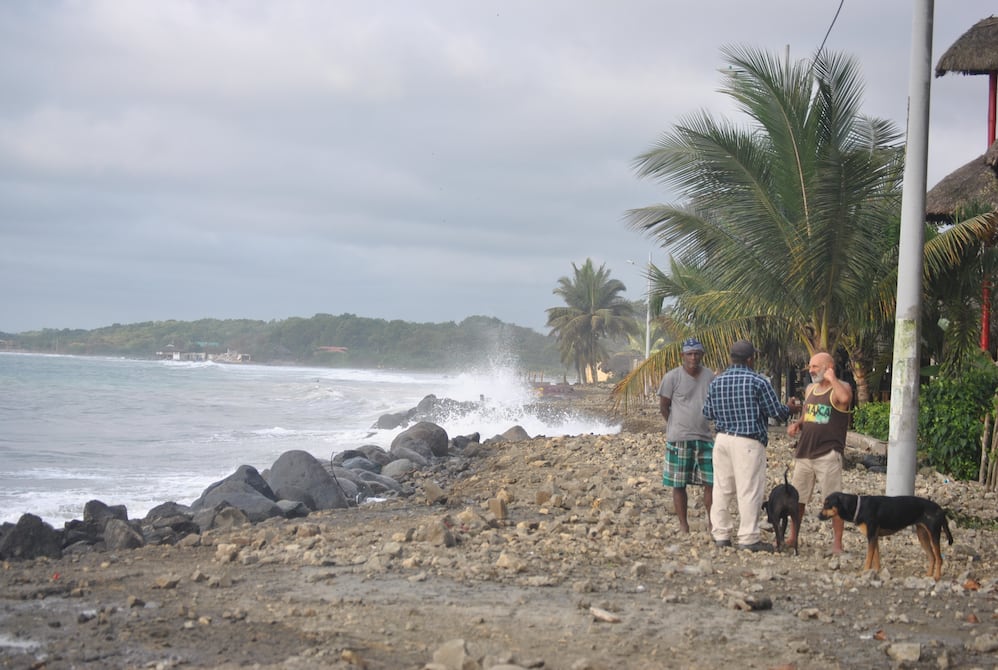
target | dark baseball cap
x=742, y=350
x=691, y=344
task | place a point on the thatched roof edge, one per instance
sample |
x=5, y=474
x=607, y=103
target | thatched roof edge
x=975, y=52
x=974, y=184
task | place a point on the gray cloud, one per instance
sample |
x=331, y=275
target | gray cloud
x=419, y=161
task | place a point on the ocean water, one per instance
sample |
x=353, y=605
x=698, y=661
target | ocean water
x=141, y=432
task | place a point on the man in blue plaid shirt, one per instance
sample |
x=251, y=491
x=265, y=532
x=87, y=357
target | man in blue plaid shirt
x=739, y=402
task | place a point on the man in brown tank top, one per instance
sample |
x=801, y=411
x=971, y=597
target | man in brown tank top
x=822, y=438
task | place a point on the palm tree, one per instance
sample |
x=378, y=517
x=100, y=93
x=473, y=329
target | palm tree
x=965, y=255
x=790, y=228
x=594, y=310
x=787, y=218
x=656, y=334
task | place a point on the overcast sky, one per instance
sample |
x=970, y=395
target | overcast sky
x=424, y=161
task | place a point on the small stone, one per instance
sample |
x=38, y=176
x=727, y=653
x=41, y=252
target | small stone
x=226, y=553
x=224, y=581
x=606, y=616
x=497, y=506
x=434, y=494
x=166, y=582
x=903, y=652
x=454, y=654
x=984, y=644
x=510, y=562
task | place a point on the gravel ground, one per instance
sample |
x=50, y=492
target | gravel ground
x=552, y=552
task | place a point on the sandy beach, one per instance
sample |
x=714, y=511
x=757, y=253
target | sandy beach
x=552, y=552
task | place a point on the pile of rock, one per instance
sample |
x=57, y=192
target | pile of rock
x=295, y=485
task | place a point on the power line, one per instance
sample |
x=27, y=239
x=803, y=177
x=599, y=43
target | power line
x=829, y=31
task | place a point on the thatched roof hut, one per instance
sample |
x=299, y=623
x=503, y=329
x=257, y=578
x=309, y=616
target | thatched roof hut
x=976, y=52
x=976, y=184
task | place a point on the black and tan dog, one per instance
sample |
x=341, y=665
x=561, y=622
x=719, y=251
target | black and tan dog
x=783, y=505
x=878, y=516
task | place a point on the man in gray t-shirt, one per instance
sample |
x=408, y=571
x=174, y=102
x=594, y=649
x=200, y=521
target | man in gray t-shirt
x=689, y=438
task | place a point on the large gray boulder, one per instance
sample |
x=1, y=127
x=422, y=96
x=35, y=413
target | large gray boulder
x=90, y=530
x=373, y=452
x=30, y=537
x=407, y=454
x=378, y=484
x=120, y=534
x=100, y=512
x=432, y=409
x=340, y=456
x=298, y=475
x=167, y=523
x=353, y=486
x=361, y=463
x=514, y=434
x=426, y=439
x=244, y=489
x=399, y=468
x=170, y=515
x=223, y=516
x=392, y=420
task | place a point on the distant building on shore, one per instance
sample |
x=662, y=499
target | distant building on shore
x=170, y=353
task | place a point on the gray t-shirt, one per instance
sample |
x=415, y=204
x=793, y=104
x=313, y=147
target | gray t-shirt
x=686, y=419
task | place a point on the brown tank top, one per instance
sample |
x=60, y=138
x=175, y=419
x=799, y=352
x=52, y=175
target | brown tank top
x=824, y=428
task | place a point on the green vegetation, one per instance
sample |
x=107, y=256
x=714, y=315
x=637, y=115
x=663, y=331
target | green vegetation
x=951, y=310
x=789, y=223
x=594, y=311
x=951, y=418
x=873, y=419
x=951, y=411
x=787, y=233
x=788, y=228
x=366, y=343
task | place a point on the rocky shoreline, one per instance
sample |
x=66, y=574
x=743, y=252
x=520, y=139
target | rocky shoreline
x=543, y=552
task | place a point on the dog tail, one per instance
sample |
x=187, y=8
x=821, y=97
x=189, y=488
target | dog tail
x=785, y=480
x=949, y=536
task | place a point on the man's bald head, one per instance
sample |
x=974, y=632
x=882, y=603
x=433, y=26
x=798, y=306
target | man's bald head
x=821, y=359
x=820, y=363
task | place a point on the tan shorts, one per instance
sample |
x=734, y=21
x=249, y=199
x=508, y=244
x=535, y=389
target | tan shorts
x=826, y=471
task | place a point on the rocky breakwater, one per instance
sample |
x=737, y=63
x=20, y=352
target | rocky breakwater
x=294, y=486
x=555, y=552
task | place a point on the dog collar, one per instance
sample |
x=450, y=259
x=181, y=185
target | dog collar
x=856, y=515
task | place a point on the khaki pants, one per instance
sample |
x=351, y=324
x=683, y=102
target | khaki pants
x=825, y=471
x=739, y=472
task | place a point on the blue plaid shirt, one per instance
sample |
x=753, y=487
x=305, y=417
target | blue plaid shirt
x=739, y=400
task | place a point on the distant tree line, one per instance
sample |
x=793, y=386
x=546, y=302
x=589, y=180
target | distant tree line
x=356, y=342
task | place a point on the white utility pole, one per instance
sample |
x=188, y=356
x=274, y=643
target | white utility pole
x=901, y=445
x=647, y=307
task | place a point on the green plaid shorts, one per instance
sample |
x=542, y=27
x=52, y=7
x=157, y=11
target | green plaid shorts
x=689, y=462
